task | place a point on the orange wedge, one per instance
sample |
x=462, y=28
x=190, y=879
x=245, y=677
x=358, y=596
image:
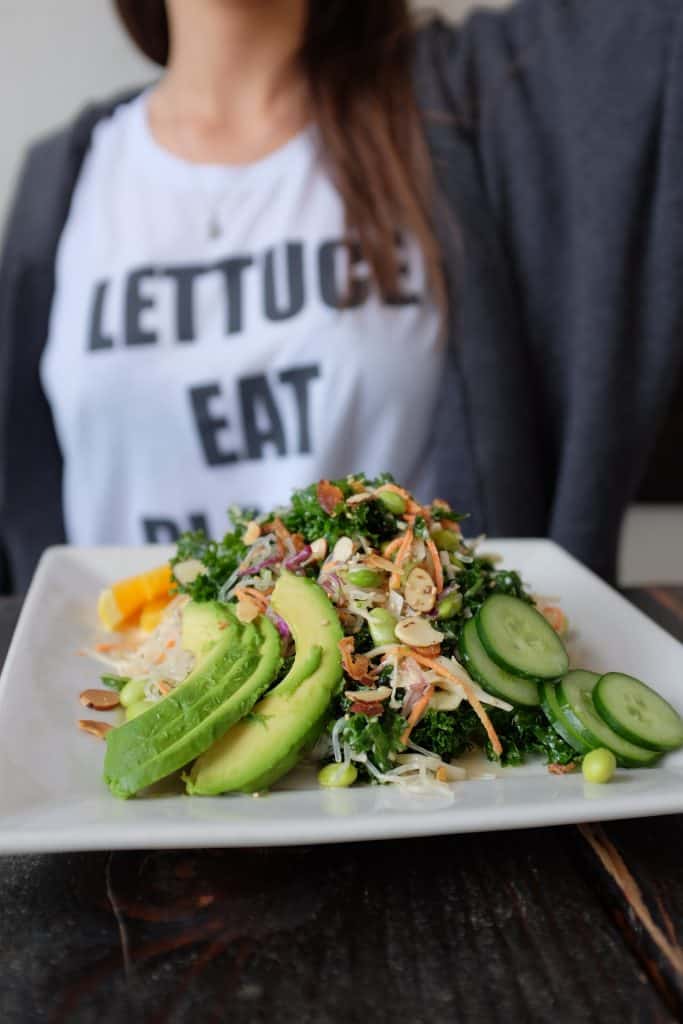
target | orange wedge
x=150, y=616
x=127, y=597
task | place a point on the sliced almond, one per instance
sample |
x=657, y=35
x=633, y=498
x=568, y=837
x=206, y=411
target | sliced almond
x=369, y=696
x=100, y=700
x=98, y=729
x=420, y=591
x=417, y=632
x=319, y=549
x=377, y=562
x=247, y=610
x=342, y=550
x=187, y=572
x=358, y=499
x=252, y=533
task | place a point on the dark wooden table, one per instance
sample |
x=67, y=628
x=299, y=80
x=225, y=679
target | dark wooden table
x=563, y=924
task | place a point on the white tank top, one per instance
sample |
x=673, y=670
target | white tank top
x=199, y=354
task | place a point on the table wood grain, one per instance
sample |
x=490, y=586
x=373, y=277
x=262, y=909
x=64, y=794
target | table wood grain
x=564, y=924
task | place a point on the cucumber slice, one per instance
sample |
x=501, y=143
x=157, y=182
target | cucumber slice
x=637, y=713
x=555, y=716
x=575, y=696
x=494, y=679
x=519, y=639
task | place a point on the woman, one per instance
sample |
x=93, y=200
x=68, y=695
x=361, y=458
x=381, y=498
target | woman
x=327, y=241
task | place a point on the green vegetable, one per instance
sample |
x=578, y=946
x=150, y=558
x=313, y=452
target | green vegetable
x=365, y=578
x=220, y=690
x=599, y=765
x=132, y=692
x=519, y=639
x=372, y=519
x=448, y=733
x=377, y=737
x=382, y=625
x=450, y=606
x=528, y=731
x=133, y=710
x=394, y=502
x=338, y=776
x=446, y=540
x=263, y=747
x=523, y=731
x=115, y=682
x=439, y=512
x=221, y=559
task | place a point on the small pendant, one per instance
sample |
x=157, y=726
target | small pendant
x=215, y=229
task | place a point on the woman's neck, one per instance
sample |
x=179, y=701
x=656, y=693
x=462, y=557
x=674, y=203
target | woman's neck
x=233, y=89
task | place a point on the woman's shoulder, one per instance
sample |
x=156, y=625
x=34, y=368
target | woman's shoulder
x=48, y=177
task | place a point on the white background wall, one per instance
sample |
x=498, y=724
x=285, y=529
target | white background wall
x=57, y=54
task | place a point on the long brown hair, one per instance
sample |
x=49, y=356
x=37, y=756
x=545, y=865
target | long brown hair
x=358, y=61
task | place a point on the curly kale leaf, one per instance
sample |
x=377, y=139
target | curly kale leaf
x=220, y=559
x=369, y=518
x=523, y=731
x=115, y=682
x=448, y=733
x=528, y=731
x=377, y=737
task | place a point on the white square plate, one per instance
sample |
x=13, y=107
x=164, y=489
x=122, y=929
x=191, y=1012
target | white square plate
x=52, y=796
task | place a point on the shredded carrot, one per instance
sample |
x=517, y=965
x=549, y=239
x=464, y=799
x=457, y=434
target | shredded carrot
x=416, y=714
x=436, y=562
x=471, y=696
x=103, y=648
x=170, y=643
x=160, y=658
x=391, y=547
x=164, y=687
x=401, y=556
x=441, y=774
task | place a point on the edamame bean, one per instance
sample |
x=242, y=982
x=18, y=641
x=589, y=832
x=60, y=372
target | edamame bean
x=393, y=502
x=132, y=692
x=338, y=776
x=133, y=710
x=599, y=765
x=449, y=606
x=382, y=624
x=446, y=540
x=365, y=578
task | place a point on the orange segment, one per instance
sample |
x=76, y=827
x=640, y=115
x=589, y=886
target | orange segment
x=125, y=598
x=150, y=616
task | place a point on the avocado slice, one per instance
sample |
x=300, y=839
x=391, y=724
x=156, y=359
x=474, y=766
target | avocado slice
x=203, y=625
x=230, y=677
x=266, y=744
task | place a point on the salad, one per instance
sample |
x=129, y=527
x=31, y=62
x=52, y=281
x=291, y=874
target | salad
x=356, y=628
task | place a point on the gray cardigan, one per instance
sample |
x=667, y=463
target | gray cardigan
x=556, y=131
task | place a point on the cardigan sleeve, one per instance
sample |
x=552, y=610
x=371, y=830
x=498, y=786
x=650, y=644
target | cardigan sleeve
x=574, y=111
